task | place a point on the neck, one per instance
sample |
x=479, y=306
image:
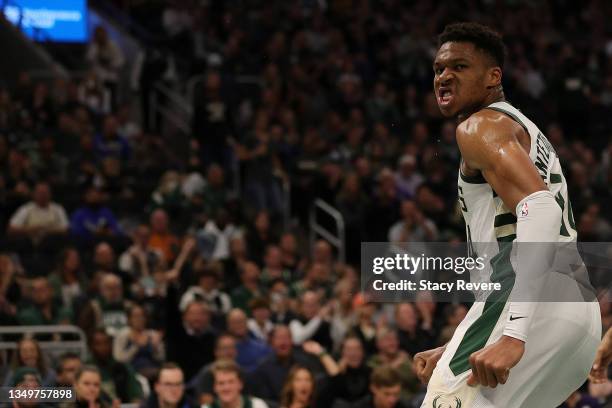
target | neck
x=164, y=404
x=496, y=95
x=237, y=403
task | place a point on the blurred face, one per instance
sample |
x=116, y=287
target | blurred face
x=273, y=257
x=386, y=397
x=72, y=261
x=322, y=252
x=288, y=243
x=302, y=385
x=250, y=272
x=87, y=387
x=104, y=256
x=405, y=316
x=262, y=222
x=196, y=317
x=101, y=346
x=159, y=221
x=237, y=323
x=237, y=247
x=228, y=387
x=352, y=352
x=68, y=371
x=388, y=344
x=42, y=195
x=111, y=289
x=261, y=314
x=28, y=353
x=310, y=305
x=142, y=235
x=461, y=76
x=41, y=292
x=226, y=348
x=138, y=319
x=281, y=342
x=170, y=386
x=110, y=126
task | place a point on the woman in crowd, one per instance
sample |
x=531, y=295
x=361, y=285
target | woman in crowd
x=88, y=391
x=299, y=389
x=29, y=354
x=67, y=279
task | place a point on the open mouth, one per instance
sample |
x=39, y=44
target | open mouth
x=445, y=96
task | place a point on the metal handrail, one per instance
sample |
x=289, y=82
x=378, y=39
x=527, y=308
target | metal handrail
x=336, y=240
x=53, y=345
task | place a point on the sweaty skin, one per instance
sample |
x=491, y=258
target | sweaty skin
x=466, y=81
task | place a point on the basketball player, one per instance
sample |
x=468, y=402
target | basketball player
x=506, y=353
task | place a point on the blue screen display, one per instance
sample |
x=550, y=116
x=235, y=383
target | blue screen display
x=44, y=20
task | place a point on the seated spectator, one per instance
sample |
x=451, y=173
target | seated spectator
x=139, y=260
x=168, y=195
x=413, y=227
x=108, y=310
x=250, y=350
x=161, y=238
x=27, y=378
x=391, y=355
x=228, y=388
x=249, y=288
x=216, y=235
x=68, y=366
x=189, y=335
x=407, y=179
x=118, y=380
x=273, y=266
x=299, y=389
x=318, y=278
x=68, y=279
x=259, y=236
x=352, y=381
x=268, y=378
x=203, y=382
x=386, y=388
x=10, y=291
x=291, y=258
x=215, y=194
x=43, y=309
x=169, y=389
x=93, y=220
x=364, y=328
x=310, y=324
x=233, y=265
x=342, y=313
x=109, y=144
x=280, y=302
x=207, y=290
x=260, y=326
x=138, y=346
x=29, y=354
x=454, y=315
x=88, y=389
x=40, y=217
x=412, y=337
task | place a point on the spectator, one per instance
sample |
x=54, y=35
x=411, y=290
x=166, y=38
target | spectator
x=250, y=350
x=161, y=238
x=217, y=233
x=342, y=313
x=390, y=354
x=27, y=378
x=386, y=387
x=141, y=348
x=454, y=315
x=412, y=337
x=260, y=326
x=118, y=380
x=207, y=290
x=289, y=252
x=29, y=355
x=67, y=280
x=203, y=382
x=228, y=388
x=352, y=381
x=43, y=310
x=10, y=291
x=268, y=378
x=139, y=260
x=249, y=289
x=169, y=389
x=68, y=366
x=109, y=310
x=106, y=59
x=414, y=226
x=88, y=389
x=310, y=323
x=215, y=194
x=259, y=236
x=407, y=179
x=299, y=389
x=93, y=219
x=273, y=266
x=40, y=217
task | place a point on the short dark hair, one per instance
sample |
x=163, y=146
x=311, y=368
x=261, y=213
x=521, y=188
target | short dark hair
x=69, y=355
x=385, y=376
x=483, y=38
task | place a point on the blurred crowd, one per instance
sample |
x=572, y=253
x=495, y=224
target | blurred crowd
x=191, y=291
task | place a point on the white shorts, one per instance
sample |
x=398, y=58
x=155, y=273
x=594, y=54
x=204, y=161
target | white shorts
x=558, y=356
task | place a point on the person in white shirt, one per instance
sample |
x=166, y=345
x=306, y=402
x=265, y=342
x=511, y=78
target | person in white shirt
x=228, y=388
x=40, y=217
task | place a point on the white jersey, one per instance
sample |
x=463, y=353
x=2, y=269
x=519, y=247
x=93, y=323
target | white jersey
x=565, y=335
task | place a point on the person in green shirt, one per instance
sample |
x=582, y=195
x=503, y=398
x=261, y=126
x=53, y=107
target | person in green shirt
x=43, y=311
x=118, y=379
x=249, y=289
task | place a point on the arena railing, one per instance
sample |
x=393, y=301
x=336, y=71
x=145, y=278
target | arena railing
x=338, y=239
x=47, y=337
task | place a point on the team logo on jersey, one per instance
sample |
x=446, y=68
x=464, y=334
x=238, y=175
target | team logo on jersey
x=445, y=402
x=524, y=210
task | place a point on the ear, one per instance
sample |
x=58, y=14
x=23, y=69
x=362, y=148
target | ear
x=494, y=77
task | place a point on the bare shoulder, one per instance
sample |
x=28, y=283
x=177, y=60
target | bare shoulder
x=485, y=135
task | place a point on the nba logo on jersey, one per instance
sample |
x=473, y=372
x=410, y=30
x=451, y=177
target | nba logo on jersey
x=524, y=210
